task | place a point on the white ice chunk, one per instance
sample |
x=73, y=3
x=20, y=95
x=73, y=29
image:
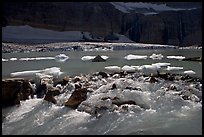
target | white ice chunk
x=4, y=59
x=156, y=56
x=176, y=57
x=162, y=64
x=61, y=57
x=113, y=68
x=85, y=58
x=131, y=56
x=190, y=72
x=54, y=71
x=128, y=68
x=173, y=68
x=13, y=59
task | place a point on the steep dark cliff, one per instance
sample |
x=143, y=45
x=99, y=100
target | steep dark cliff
x=181, y=28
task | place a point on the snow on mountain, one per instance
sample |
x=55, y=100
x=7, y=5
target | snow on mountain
x=127, y=7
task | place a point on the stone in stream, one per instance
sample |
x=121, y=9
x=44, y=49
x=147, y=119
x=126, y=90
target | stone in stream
x=14, y=90
x=76, y=98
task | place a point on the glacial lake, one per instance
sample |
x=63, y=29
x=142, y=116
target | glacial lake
x=75, y=66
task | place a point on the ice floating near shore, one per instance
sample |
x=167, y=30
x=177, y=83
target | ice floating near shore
x=113, y=68
x=163, y=64
x=25, y=73
x=54, y=71
x=175, y=57
x=189, y=72
x=4, y=60
x=13, y=59
x=131, y=56
x=173, y=68
x=147, y=69
x=128, y=68
x=156, y=56
x=61, y=58
x=37, y=58
x=86, y=58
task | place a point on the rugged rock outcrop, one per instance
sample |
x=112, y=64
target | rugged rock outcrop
x=14, y=90
x=182, y=27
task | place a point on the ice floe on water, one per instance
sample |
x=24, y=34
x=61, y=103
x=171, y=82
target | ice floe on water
x=175, y=57
x=54, y=71
x=131, y=56
x=189, y=72
x=113, y=68
x=4, y=60
x=171, y=68
x=156, y=56
x=61, y=57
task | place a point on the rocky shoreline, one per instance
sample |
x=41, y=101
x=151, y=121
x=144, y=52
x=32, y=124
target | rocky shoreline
x=94, y=93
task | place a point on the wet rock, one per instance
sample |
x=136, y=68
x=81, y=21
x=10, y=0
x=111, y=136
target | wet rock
x=103, y=74
x=26, y=90
x=64, y=81
x=76, y=98
x=113, y=86
x=76, y=79
x=98, y=58
x=54, y=91
x=77, y=85
x=49, y=97
x=14, y=90
x=41, y=90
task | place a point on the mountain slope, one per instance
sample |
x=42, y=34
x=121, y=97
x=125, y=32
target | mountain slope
x=171, y=23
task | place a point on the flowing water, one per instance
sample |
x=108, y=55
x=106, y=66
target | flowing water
x=168, y=113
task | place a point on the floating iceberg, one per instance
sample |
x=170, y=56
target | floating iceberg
x=61, y=58
x=53, y=71
x=147, y=69
x=85, y=58
x=113, y=68
x=163, y=64
x=37, y=58
x=156, y=56
x=131, y=56
x=4, y=59
x=128, y=68
x=176, y=57
x=13, y=59
x=190, y=72
x=173, y=68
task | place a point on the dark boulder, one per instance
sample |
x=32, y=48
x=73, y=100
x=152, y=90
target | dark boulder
x=76, y=98
x=14, y=90
x=98, y=58
x=49, y=97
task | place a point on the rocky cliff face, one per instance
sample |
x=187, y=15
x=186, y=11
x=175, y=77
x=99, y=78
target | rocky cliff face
x=181, y=28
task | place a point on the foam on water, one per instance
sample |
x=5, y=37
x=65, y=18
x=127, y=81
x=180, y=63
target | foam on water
x=158, y=108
